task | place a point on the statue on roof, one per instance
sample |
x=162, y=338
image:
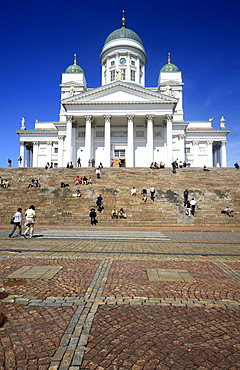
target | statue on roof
x=23, y=123
x=168, y=90
x=71, y=91
x=222, y=122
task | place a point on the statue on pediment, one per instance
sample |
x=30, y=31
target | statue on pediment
x=222, y=122
x=23, y=127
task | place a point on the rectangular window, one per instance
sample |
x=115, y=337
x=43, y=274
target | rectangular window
x=133, y=62
x=123, y=74
x=112, y=75
x=55, y=165
x=56, y=150
x=133, y=75
x=119, y=153
x=112, y=63
x=187, y=150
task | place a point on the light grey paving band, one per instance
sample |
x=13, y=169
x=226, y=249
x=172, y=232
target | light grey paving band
x=228, y=271
x=133, y=301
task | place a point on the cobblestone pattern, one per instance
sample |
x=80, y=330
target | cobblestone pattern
x=72, y=281
x=31, y=335
x=118, y=316
x=130, y=280
x=163, y=338
x=72, y=347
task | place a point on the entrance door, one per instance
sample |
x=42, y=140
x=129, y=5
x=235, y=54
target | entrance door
x=119, y=158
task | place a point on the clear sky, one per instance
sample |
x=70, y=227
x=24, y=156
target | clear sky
x=38, y=39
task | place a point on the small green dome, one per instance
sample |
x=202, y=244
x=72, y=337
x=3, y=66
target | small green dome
x=169, y=67
x=74, y=68
x=123, y=33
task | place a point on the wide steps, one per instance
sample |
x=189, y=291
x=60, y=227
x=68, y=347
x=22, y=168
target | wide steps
x=213, y=191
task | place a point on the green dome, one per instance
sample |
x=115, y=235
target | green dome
x=123, y=33
x=169, y=67
x=74, y=68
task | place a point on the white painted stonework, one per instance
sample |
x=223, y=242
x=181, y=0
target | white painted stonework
x=122, y=120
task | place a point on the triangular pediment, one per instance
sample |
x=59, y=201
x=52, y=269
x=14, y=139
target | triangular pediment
x=119, y=92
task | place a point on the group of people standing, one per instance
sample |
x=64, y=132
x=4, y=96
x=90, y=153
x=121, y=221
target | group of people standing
x=29, y=222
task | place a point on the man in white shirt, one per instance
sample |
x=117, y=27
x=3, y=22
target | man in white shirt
x=193, y=205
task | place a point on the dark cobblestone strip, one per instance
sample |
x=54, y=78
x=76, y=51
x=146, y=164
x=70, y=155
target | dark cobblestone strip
x=228, y=270
x=70, y=353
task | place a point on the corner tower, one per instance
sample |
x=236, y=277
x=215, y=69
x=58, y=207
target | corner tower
x=123, y=57
x=170, y=83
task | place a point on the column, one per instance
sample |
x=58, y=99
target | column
x=28, y=159
x=68, y=141
x=107, y=141
x=224, y=154
x=130, y=149
x=210, y=153
x=60, y=150
x=181, y=148
x=22, y=154
x=35, y=154
x=195, y=153
x=169, y=119
x=149, y=139
x=88, y=141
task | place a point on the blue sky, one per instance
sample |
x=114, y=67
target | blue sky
x=39, y=37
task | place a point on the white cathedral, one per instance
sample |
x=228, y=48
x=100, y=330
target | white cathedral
x=123, y=122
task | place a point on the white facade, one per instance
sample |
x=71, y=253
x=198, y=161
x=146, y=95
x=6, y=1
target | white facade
x=122, y=120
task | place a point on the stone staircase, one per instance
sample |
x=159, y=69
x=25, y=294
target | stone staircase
x=212, y=190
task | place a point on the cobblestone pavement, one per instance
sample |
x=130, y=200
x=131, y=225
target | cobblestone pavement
x=99, y=310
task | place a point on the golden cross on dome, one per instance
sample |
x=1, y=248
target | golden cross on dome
x=123, y=19
x=169, y=60
x=75, y=59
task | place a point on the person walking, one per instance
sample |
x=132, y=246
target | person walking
x=93, y=216
x=152, y=192
x=185, y=195
x=193, y=205
x=17, y=222
x=99, y=202
x=30, y=220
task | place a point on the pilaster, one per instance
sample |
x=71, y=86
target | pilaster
x=224, y=154
x=60, y=150
x=210, y=153
x=68, y=141
x=181, y=148
x=49, y=151
x=22, y=154
x=35, y=153
x=195, y=153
